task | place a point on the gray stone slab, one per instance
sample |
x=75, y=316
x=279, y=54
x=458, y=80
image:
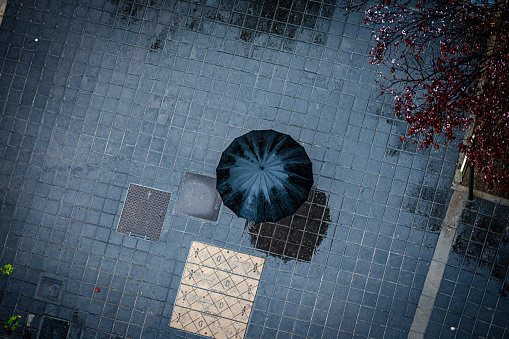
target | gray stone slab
x=50, y=288
x=198, y=197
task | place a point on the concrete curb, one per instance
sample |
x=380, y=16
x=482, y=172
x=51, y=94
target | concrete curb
x=437, y=265
x=456, y=185
x=482, y=195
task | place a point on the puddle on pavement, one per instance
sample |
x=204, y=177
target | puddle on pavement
x=297, y=236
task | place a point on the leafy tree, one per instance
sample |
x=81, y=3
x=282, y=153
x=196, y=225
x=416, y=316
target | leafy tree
x=447, y=69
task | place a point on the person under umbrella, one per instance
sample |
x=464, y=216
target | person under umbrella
x=264, y=175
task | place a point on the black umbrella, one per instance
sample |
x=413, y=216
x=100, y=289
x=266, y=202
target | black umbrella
x=264, y=176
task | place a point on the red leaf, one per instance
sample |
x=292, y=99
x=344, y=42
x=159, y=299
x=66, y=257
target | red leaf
x=97, y=290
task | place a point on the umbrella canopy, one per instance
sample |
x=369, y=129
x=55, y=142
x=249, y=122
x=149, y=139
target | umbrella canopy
x=264, y=175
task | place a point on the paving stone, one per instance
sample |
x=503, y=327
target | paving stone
x=217, y=292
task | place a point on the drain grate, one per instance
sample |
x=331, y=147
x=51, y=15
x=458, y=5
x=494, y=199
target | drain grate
x=217, y=292
x=49, y=289
x=198, y=197
x=144, y=212
x=52, y=328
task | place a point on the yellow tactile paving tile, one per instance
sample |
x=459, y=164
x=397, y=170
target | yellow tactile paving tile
x=214, y=303
x=217, y=292
x=206, y=324
x=226, y=260
x=219, y=281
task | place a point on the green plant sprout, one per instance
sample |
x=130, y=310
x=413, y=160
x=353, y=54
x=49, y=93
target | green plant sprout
x=7, y=269
x=12, y=323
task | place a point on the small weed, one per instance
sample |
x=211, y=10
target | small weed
x=7, y=269
x=12, y=323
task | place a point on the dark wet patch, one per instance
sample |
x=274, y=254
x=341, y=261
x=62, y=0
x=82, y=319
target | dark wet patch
x=285, y=21
x=129, y=12
x=297, y=236
x=391, y=152
x=161, y=37
x=480, y=247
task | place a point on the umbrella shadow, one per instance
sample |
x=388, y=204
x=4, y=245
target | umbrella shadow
x=296, y=236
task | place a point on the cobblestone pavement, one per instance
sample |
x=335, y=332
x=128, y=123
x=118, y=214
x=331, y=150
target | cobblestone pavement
x=97, y=95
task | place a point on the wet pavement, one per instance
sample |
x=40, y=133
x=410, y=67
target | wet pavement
x=297, y=236
x=472, y=300
x=97, y=95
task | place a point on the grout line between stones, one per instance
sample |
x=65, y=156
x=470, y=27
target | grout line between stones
x=437, y=266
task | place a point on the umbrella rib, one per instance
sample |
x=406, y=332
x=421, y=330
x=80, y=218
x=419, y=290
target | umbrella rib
x=263, y=187
x=275, y=201
x=272, y=152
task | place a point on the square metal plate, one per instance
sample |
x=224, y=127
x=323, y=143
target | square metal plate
x=198, y=197
x=217, y=292
x=54, y=328
x=49, y=289
x=144, y=212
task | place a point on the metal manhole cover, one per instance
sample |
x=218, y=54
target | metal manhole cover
x=49, y=289
x=144, y=212
x=52, y=328
x=217, y=292
x=198, y=197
